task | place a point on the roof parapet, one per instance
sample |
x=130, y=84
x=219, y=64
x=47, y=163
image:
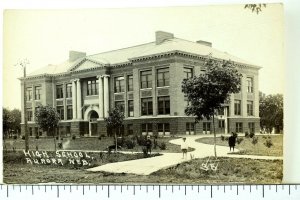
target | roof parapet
x=209, y=44
x=161, y=36
x=74, y=55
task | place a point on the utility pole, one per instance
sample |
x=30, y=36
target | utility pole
x=23, y=63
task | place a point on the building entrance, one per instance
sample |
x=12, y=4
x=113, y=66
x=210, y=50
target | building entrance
x=93, y=126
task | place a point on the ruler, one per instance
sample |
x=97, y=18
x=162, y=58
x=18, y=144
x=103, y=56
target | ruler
x=145, y=192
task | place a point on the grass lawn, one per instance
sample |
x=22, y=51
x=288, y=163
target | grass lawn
x=246, y=146
x=230, y=170
x=85, y=144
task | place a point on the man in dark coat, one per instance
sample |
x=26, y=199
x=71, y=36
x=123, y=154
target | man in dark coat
x=231, y=142
x=148, y=144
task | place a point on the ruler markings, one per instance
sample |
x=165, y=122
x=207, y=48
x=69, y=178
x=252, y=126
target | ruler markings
x=185, y=190
x=276, y=188
x=237, y=190
x=57, y=191
x=263, y=191
x=108, y=195
x=83, y=190
x=96, y=188
x=250, y=188
x=211, y=191
x=158, y=191
x=7, y=191
x=32, y=192
x=289, y=189
x=224, y=188
x=134, y=190
x=172, y=189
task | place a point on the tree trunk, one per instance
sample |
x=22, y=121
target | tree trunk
x=116, y=140
x=215, y=137
x=54, y=134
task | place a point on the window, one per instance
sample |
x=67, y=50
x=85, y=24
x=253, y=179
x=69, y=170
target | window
x=221, y=111
x=119, y=84
x=206, y=127
x=249, y=85
x=237, y=107
x=250, y=108
x=221, y=123
x=69, y=112
x=239, y=127
x=163, y=77
x=30, y=131
x=129, y=129
x=251, y=127
x=37, y=95
x=29, y=94
x=92, y=87
x=163, y=129
x=120, y=104
x=69, y=90
x=163, y=105
x=59, y=92
x=29, y=114
x=188, y=72
x=190, y=128
x=130, y=83
x=147, y=129
x=146, y=79
x=60, y=110
x=146, y=104
x=130, y=108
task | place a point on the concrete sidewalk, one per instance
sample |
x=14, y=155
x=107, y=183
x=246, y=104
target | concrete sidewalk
x=147, y=166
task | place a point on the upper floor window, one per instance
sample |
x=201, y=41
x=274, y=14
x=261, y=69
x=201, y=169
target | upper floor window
x=120, y=105
x=237, y=107
x=249, y=85
x=130, y=83
x=130, y=108
x=239, y=127
x=60, y=110
x=69, y=112
x=59, y=91
x=188, y=72
x=69, y=90
x=37, y=92
x=29, y=94
x=249, y=108
x=146, y=79
x=92, y=87
x=147, y=108
x=119, y=84
x=163, y=77
x=163, y=105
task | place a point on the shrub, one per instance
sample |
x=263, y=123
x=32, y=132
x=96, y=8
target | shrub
x=239, y=140
x=163, y=146
x=37, y=137
x=222, y=138
x=268, y=143
x=73, y=137
x=99, y=138
x=102, y=135
x=23, y=137
x=252, y=135
x=15, y=137
x=155, y=144
x=129, y=144
x=254, y=140
x=226, y=138
x=246, y=134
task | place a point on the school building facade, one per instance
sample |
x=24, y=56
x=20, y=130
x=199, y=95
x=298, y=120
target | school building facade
x=145, y=80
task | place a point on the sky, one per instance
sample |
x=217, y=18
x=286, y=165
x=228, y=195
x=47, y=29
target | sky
x=46, y=37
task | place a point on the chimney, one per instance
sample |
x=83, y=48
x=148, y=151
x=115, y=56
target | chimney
x=74, y=55
x=209, y=44
x=161, y=36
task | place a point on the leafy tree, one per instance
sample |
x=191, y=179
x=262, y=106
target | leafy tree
x=47, y=118
x=114, y=121
x=255, y=7
x=271, y=112
x=11, y=121
x=207, y=92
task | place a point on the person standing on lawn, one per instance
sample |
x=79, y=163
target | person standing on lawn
x=148, y=144
x=184, y=148
x=231, y=141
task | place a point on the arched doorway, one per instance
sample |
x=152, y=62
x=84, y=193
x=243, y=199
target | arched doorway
x=93, y=126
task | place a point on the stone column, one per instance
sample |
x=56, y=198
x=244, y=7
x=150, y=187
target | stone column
x=244, y=96
x=106, y=96
x=100, y=92
x=74, y=99
x=225, y=120
x=79, y=104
